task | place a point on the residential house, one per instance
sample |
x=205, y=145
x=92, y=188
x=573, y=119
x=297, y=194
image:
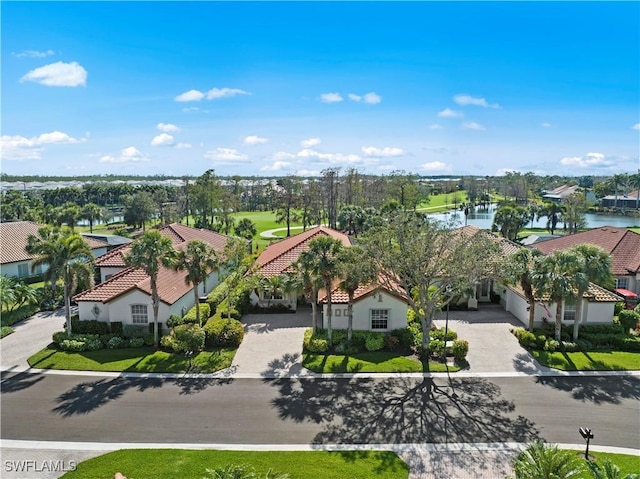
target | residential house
x=16, y=262
x=125, y=293
x=627, y=201
x=559, y=193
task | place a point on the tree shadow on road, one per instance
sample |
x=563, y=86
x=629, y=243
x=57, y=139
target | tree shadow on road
x=403, y=411
x=194, y=383
x=19, y=382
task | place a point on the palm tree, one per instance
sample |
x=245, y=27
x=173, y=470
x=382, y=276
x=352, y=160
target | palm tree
x=355, y=271
x=326, y=252
x=618, y=180
x=521, y=269
x=596, y=266
x=271, y=286
x=560, y=275
x=311, y=283
x=552, y=212
x=149, y=252
x=91, y=212
x=634, y=181
x=68, y=256
x=543, y=461
x=198, y=260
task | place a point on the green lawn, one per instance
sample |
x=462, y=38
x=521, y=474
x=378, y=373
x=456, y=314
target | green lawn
x=169, y=463
x=370, y=362
x=588, y=361
x=5, y=331
x=144, y=360
x=628, y=464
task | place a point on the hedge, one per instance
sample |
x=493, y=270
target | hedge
x=628, y=319
x=223, y=332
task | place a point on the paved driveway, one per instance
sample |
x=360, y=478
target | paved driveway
x=492, y=347
x=272, y=345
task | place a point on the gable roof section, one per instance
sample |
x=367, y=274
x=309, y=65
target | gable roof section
x=180, y=233
x=339, y=296
x=595, y=294
x=113, y=258
x=278, y=257
x=507, y=247
x=622, y=244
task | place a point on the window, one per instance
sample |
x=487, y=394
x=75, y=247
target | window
x=379, y=319
x=569, y=312
x=277, y=295
x=139, y=314
x=622, y=283
x=338, y=312
x=23, y=270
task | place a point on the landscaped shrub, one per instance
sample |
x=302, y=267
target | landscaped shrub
x=73, y=345
x=439, y=334
x=629, y=319
x=222, y=332
x=94, y=345
x=315, y=343
x=551, y=345
x=631, y=344
x=583, y=344
x=116, y=343
x=60, y=336
x=92, y=326
x=116, y=328
x=613, y=328
x=525, y=338
x=167, y=342
x=23, y=312
x=619, y=306
x=374, y=342
x=405, y=336
x=174, y=320
x=136, y=342
x=190, y=317
x=436, y=348
x=460, y=349
x=134, y=331
x=391, y=343
x=188, y=338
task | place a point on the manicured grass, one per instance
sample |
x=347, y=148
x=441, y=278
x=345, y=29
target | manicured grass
x=5, y=331
x=628, y=464
x=370, y=362
x=164, y=463
x=144, y=360
x=589, y=361
x=442, y=202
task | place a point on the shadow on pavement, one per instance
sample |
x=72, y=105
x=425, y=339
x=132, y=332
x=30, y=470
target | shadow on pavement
x=19, y=382
x=287, y=365
x=403, y=411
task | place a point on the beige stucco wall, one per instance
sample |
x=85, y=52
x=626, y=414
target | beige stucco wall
x=361, y=316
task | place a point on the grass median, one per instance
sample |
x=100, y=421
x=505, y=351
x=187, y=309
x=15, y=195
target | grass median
x=589, y=361
x=163, y=463
x=371, y=362
x=141, y=360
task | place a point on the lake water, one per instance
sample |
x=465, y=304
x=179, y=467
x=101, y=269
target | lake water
x=484, y=219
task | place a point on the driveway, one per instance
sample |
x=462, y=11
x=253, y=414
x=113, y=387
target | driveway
x=492, y=347
x=272, y=345
x=29, y=337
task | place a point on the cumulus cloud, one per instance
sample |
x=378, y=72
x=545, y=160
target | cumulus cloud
x=225, y=154
x=636, y=126
x=330, y=157
x=58, y=74
x=387, y=151
x=472, y=125
x=546, y=125
x=590, y=160
x=191, y=95
x=276, y=166
x=129, y=154
x=435, y=126
x=331, y=98
x=167, y=127
x=309, y=142
x=254, y=140
x=282, y=155
x=184, y=146
x=370, y=98
x=464, y=100
x=163, y=139
x=22, y=148
x=33, y=54
x=216, y=93
x=449, y=113
x=434, y=166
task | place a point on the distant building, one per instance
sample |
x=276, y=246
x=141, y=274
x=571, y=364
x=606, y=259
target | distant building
x=628, y=201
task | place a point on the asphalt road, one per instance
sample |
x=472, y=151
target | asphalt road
x=320, y=411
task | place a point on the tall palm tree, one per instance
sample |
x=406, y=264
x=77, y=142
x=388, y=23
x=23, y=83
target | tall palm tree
x=199, y=260
x=68, y=257
x=634, y=181
x=91, y=212
x=271, y=286
x=326, y=252
x=552, y=212
x=520, y=271
x=150, y=251
x=560, y=276
x=311, y=283
x=596, y=266
x=543, y=461
x=354, y=271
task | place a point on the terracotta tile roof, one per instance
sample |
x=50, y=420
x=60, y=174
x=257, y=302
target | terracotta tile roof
x=278, y=257
x=595, y=294
x=13, y=239
x=339, y=296
x=508, y=247
x=113, y=258
x=180, y=233
x=171, y=286
x=622, y=244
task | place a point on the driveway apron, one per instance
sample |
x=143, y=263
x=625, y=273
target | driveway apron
x=272, y=345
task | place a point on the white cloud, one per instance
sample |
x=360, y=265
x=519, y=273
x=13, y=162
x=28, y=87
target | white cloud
x=58, y=74
x=308, y=173
x=504, y=171
x=371, y=98
x=225, y=154
x=464, y=100
x=387, y=151
x=590, y=160
x=282, y=155
x=472, y=125
x=129, y=154
x=449, y=113
x=276, y=166
x=546, y=125
x=191, y=95
x=309, y=142
x=33, y=54
x=163, y=139
x=167, y=127
x=434, y=166
x=184, y=146
x=636, y=126
x=331, y=97
x=435, y=126
x=254, y=140
x=21, y=148
x=216, y=93
x=57, y=137
x=330, y=157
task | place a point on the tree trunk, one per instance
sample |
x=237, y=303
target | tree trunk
x=67, y=301
x=314, y=309
x=350, y=312
x=197, y=305
x=532, y=313
x=155, y=301
x=578, y=320
x=558, y=321
x=327, y=284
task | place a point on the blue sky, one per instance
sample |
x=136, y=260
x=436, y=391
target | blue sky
x=295, y=87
